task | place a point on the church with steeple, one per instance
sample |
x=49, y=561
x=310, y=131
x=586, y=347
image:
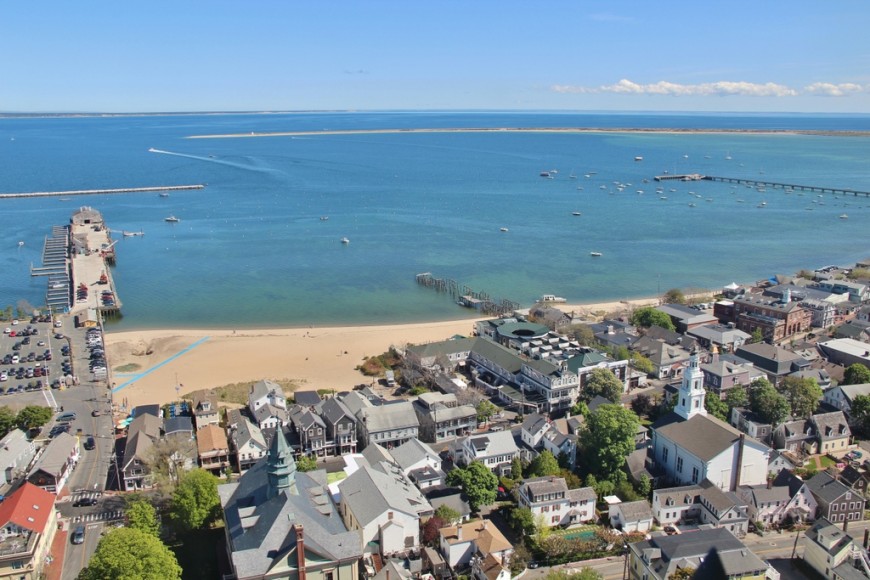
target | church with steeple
x=281, y=523
x=689, y=446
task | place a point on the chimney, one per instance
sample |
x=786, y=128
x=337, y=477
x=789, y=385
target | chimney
x=300, y=551
x=866, y=538
x=769, y=483
x=610, y=329
x=459, y=532
x=846, y=523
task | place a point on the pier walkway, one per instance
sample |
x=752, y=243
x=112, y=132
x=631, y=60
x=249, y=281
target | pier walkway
x=763, y=183
x=101, y=191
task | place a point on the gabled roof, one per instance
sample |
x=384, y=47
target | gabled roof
x=370, y=493
x=534, y=423
x=852, y=391
x=498, y=354
x=334, y=410
x=28, y=507
x=825, y=487
x=412, y=452
x=56, y=456
x=141, y=434
x=771, y=358
x=703, y=436
x=483, y=533
x=831, y=425
x=182, y=424
x=634, y=511
x=245, y=432
x=398, y=415
x=307, y=398
x=489, y=444
x=211, y=438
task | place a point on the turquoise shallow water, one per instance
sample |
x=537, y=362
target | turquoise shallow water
x=251, y=250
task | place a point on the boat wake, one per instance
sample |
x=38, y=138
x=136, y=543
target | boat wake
x=211, y=159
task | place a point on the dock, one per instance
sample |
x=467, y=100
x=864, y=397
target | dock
x=465, y=296
x=72, y=192
x=764, y=183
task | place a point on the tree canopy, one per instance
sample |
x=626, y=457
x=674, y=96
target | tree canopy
x=8, y=421
x=306, y=463
x=142, y=516
x=608, y=438
x=131, y=553
x=856, y=374
x=604, y=383
x=803, y=395
x=485, y=409
x=544, y=464
x=479, y=484
x=33, y=416
x=195, y=502
x=648, y=316
x=642, y=363
x=736, y=397
x=674, y=296
x=769, y=404
x=860, y=412
x=716, y=406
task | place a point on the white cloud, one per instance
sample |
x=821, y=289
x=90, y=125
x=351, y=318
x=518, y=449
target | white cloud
x=720, y=88
x=832, y=90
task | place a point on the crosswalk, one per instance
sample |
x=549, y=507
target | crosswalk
x=107, y=516
x=86, y=495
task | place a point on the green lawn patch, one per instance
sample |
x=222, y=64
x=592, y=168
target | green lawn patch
x=827, y=462
x=333, y=477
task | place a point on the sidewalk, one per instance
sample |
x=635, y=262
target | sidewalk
x=54, y=570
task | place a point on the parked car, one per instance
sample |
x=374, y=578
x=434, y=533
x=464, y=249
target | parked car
x=78, y=536
x=85, y=502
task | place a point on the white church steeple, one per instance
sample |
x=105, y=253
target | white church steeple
x=692, y=393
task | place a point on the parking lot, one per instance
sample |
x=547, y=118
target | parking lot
x=30, y=358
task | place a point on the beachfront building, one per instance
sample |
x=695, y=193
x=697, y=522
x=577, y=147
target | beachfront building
x=28, y=523
x=213, y=449
x=341, y=429
x=205, y=410
x=388, y=425
x=142, y=432
x=282, y=524
x=688, y=446
x=53, y=468
x=247, y=443
x=550, y=498
x=442, y=417
x=443, y=356
x=268, y=405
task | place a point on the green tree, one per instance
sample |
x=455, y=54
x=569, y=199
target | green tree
x=517, y=468
x=579, y=409
x=8, y=421
x=803, y=395
x=644, y=486
x=736, y=397
x=648, y=316
x=583, y=334
x=770, y=405
x=447, y=514
x=716, y=406
x=642, y=405
x=621, y=352
x=485, y=410
x=33, y=416
x=856, y=374
x=142, y=516
x=757, y=336
x=522, y=520
x=306, y=463
x=674, y=296
x=642, y=363
x=584, y=574
x=479, y=484
x=682, y=574
x=195, y=502
x=131, y=553
x=544, y=464
x=860, y=412
x=604, y=383
x=608, y=438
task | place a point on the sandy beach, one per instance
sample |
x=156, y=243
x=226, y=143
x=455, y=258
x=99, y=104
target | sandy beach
x=313, y=357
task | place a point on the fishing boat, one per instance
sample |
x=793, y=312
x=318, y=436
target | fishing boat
x=546, y=174
x=171, y=219
x=345, y=241
x=595, y=254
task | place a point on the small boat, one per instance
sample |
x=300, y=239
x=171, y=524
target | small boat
x=345, y=241
x=595, y=254
x=502, y=229
x=842, y=217
x=546, y=174
x=572, y=175
x=20, y=244
x=692, y=205
x=552, y=298
x=163, y=194
x=171, y=219
x=323, y=218
x=576, y=213
x=127, y=234
x=638, y=158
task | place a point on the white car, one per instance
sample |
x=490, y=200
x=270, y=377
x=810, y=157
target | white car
x=58, y=323
x=15, y=322
x=3, y=377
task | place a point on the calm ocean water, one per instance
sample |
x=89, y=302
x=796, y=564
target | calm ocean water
x=251, y=250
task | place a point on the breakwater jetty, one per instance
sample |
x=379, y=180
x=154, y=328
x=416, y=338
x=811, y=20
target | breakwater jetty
x=467, y=297
x=763, y=183
x=102, y=191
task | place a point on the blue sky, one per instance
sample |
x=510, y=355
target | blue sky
x=759, y=55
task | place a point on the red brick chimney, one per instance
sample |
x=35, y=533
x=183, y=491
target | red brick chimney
x=300, y=551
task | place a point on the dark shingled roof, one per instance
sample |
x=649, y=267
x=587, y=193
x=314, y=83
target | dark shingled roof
x=703, y=436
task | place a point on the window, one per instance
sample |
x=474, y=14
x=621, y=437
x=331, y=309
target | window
x=679, y=465
x=554, y=520
x=694, y=475
x=665, y=454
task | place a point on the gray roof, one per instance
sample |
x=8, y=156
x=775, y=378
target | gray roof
x=635, y=511
x=443, y=348
x=773, y=359
x=262, y=530
x=263, y=412
x=412, y=452
x=356, y=401
x=582, y=494
x=12, y=446
x=498, y=443
x=334, y=410
x=703, y=436
x=56, y=455
x=245, y=432
x=678, y=495
x=831, y=425
x=534, y=422
x=826, y=488
x=689, y=550
x=547, y=484
x=719, y=333
x=374, y=454
x=398, y=415
x=852, y=391
x=141, y=434
x=178, y=425
x=370, y=493
x=719, y=499
x=306, y=398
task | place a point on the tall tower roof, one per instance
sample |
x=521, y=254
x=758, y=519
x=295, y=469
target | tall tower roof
x=281, y=467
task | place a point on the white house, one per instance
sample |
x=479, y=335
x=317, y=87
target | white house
x=673, y=505
x=419, y=463
x=16, y=453
x=631, y=516
x=550, y=497
x=688, y=446
x=786, y=496
x=268, y=405
x=841, y=396
x=495, y=450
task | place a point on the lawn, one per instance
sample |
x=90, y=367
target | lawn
x=827, y=462
x=333, y=477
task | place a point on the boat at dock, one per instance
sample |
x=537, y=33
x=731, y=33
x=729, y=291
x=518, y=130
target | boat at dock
x=595, y=254
x=171, y=219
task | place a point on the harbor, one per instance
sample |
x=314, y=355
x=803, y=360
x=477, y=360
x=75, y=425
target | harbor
x=76, y=259
x=72, y=192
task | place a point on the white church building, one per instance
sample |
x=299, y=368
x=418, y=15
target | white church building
x=688, y=446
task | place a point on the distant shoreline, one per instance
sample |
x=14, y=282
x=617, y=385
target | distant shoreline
x=567, y=130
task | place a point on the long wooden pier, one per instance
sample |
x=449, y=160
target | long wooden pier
x=763, y=183
x=465, y=296
x=101, y=191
